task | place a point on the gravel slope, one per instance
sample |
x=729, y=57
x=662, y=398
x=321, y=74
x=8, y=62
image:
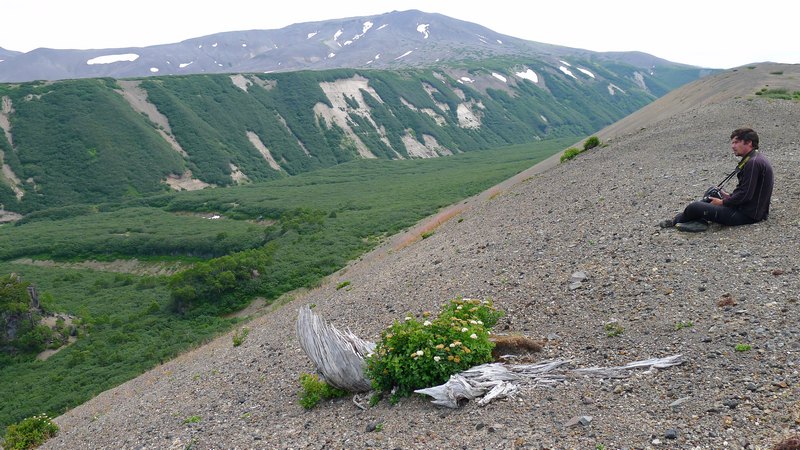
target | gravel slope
x=596, y=214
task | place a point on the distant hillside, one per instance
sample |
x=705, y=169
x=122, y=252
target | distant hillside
x=392, y=41
x=99, y=140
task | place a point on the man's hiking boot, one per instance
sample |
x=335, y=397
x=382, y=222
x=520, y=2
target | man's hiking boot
x=666, y=223
x=693, y=227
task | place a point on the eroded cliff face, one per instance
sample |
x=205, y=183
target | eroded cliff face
x=25, y=326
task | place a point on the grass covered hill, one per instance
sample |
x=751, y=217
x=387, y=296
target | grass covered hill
x=725, y=299
x=92, y=141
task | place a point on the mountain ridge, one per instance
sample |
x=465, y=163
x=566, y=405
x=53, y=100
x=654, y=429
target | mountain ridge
x=394, y=40
x=596, y=214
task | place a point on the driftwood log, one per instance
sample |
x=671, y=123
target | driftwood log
x=340, y=358
x=492, y=381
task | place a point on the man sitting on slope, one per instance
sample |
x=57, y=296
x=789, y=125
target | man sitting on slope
x=748, y=203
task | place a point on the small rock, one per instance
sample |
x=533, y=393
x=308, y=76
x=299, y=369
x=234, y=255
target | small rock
x=731, y=403
x=679, y=402
x=671, y=434
x=578, y=277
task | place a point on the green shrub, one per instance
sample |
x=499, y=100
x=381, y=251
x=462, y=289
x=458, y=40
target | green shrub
x=743, y=347
x=613, y=329
x=315, y=390
x=239, y=336
x=779, y=94
x=413, y=355
x=570, y=153
x=29, y=433
x=592, y=142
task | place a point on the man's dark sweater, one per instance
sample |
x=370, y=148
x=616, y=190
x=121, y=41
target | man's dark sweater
x=753, y=193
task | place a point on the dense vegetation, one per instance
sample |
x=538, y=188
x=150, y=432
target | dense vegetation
x=269, y=239
x=80, y=141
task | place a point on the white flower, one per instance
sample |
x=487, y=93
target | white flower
x=473, y=336
x=473, y=322
x=464, y=330
x=420, y=353
x=480, y=322
x=458, y=307
x=436, y=358
x=427, y=323
x=408, y=318
x=452, y=345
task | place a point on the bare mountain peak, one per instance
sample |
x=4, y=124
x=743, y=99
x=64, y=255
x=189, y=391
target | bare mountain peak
x=391, y=40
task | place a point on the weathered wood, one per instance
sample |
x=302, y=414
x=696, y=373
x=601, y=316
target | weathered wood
x=338, y=356
x=493, y=381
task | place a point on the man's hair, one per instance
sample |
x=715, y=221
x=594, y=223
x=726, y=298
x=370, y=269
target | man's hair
x=746, y=134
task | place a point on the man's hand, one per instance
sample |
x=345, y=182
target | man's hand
x=716, y=201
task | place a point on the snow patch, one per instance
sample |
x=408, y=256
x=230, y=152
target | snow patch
x=331, y=55
x=109, y=59
x=184, y=65
x=638, y=77
x=153, y=69
x=364, y=28
x=586, y=72
x=612, y=88
x=499, y=77
x=565, y=63
x=466, y=80
x=310, y=35
x=567, y=71
x=529, y=75
x=424, y=29
x=404, y=55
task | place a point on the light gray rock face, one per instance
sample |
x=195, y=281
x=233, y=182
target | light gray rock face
x=596, y=214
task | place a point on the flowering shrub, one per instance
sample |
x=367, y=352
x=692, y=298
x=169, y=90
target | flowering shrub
x=29, y=433
x=415, y=354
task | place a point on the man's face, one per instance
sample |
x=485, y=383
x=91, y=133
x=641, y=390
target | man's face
x=740, y=147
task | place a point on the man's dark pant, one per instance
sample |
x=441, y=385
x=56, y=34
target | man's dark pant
x=713, y=213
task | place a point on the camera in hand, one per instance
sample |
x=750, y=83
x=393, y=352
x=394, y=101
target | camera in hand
x=712, y=192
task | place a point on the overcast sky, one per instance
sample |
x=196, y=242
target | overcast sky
x=707, y=33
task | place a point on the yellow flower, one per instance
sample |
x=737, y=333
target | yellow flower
x=440, y=346
x=456, y=360
x=467, y=350
x=450, y=357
